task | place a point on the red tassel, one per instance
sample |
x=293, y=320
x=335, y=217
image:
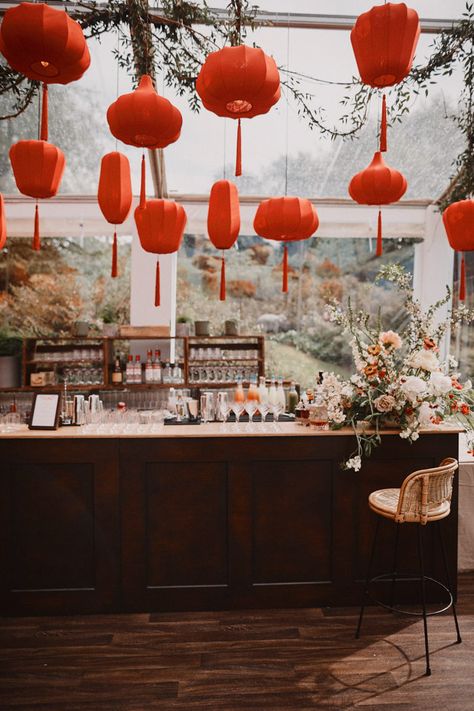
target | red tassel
x=222, y=292
x=44, y=115
x=238, y=156
x=157, y=283
x=284, y=287
x=143, y=184
x=462, y=280
x=114, y=272
x=36, y=237
x=378, y=251
x=383, y=126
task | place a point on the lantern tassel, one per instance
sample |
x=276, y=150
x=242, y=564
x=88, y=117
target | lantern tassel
x=238, y=155
x=143, y=184
x=462, y=280
x=222, y=291
x=378, y=250
x=157, y=283
x=114, y=272
x=36, y=236
x=383, y=126
x=284, y=287
x=44, y=114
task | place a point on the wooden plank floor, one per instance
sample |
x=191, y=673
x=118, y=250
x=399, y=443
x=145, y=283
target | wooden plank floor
x=221, y=661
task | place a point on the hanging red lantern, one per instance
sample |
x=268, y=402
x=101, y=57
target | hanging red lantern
x=286, y=219
x=160, y=225
x=458, y=221
x=378, y=184
x=384, y=41
x=115, y=195
x=38, y=167
x=223, y=221
x=239, y=82
x=145, y=120
x=3, y=223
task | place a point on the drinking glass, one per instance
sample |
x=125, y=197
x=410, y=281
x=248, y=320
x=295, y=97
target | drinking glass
x=251, y=406
x=263, y=409
x=238, y=408
x=276, y=409
x=223, y=405
x=207, y=407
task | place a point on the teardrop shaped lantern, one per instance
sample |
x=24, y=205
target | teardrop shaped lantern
x=38, y=167
x=378, y=184
x=384, y=41
x=145, y=120
x=3, y=223
x=160, y=225
x=115, y=195
x=223, y=221
x=286, y=219
x=239, y=82
x=458, y=221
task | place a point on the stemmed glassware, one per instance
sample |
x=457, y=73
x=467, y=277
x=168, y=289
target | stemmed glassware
x=237, y=408
x=276, y=409
x=251, y=407
x=263, y=408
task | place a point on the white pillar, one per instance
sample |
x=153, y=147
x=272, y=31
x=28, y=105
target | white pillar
x=143, y=311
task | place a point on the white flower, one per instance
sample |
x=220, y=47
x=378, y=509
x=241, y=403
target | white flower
x=413, y=387
x=354, y=463
x=405, y=434
x=426, y=360
x=384, y=403
x=390, y=339
x=439, y=384
x=414, y=436
x=467, y=385
x=425, y=414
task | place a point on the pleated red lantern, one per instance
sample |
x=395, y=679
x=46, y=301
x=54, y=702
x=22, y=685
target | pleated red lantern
x=223, y=221
x=3, y=223
x=286, y=219
x=458, y=221
x=115, y=195
x=145, y=120
x=384, y=41
x=38, y=167
x=378, y=184
x=239, y=82
x=160, y=225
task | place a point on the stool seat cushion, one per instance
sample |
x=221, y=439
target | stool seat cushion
x=385, y=503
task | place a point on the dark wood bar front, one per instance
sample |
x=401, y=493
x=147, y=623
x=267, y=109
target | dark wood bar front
x=208, y=520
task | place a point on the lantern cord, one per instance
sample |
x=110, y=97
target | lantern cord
x=238, y=155
x=36, y=236
x=44, y=114
x=114, y=272
x=287, y=105
x=157, y=283
x=378, y=250
x=222, y=290
x=284, y=287
x=143, y=184
x=383, y=125
x=462, y=280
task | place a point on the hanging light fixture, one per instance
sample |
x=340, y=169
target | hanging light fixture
x=223, y=221
x=115, y=195
x=458, y=221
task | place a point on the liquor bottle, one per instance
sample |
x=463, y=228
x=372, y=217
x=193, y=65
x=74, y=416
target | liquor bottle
x=166, y=373
x=177, y=374
x=148, y=367
x=281, y=398
x=137, y=371
x=117, y=374
x=157, y=367
x=262, y=389
x=272, y=393
x=292, y=398
x=129, y=370
x=239, y=392
x=253, y=393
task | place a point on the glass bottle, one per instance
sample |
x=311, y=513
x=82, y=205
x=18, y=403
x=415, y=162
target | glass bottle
x=166, y=373
x=272, y=393
x=137, y=372
x=117, y=374
x=292, y=398
x=262, y=389
x=157, y=367
x=129, y=370
x=281, y=398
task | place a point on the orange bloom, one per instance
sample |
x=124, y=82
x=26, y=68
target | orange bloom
x=465, y=409
x=454, y=406
x=436, y=420
x=374, y=350
x=382, y=373
x=429, y=344
x=370, y=371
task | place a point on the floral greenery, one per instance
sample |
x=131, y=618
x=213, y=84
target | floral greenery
x=400, y=380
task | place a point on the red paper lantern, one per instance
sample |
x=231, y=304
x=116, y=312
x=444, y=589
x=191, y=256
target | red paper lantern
x=223, y=220
x=458, y=221
x=160, y=225
x=145, y=120
x=378, y=184
x=115, y=195
x=239, y=82
x=38, y=167
x=286, y=219
x=3, y=223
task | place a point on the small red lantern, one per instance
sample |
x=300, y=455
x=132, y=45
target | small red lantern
x=145, y=120
x=160, y=225
x=115, y=194
x=3, y=223
x=458, y=221
x=223, y=220
x=239, y=82
x=286, y=219
x=378, y=184
x=38, y=167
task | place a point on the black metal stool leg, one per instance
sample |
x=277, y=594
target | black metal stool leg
x=395, y=562
x=367, y=579
x=423, y=597
x=448, y=580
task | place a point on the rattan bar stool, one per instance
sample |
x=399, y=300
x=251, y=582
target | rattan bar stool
x=424, y=497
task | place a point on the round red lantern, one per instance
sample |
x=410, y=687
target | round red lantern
x=160, y=225
x=115, y=195
x=239, y=82
x=38, y=167
x=378, y=184
x=223, y=221
x=458, y=221
x=286, y=219
x=3, y=223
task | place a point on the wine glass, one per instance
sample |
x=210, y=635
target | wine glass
x=263, y=408
x=276, y=409
x=251, y=406
x=238, y=408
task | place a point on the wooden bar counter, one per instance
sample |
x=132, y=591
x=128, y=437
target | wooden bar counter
x=199, y=517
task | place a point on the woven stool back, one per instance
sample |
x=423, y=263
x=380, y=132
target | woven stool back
x=425, y=490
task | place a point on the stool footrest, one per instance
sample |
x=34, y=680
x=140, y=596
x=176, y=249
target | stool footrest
x=390, y=576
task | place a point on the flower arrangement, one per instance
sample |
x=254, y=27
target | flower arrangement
x=400, y=380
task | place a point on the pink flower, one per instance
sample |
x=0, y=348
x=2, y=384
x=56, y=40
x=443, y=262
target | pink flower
x=390, y=340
